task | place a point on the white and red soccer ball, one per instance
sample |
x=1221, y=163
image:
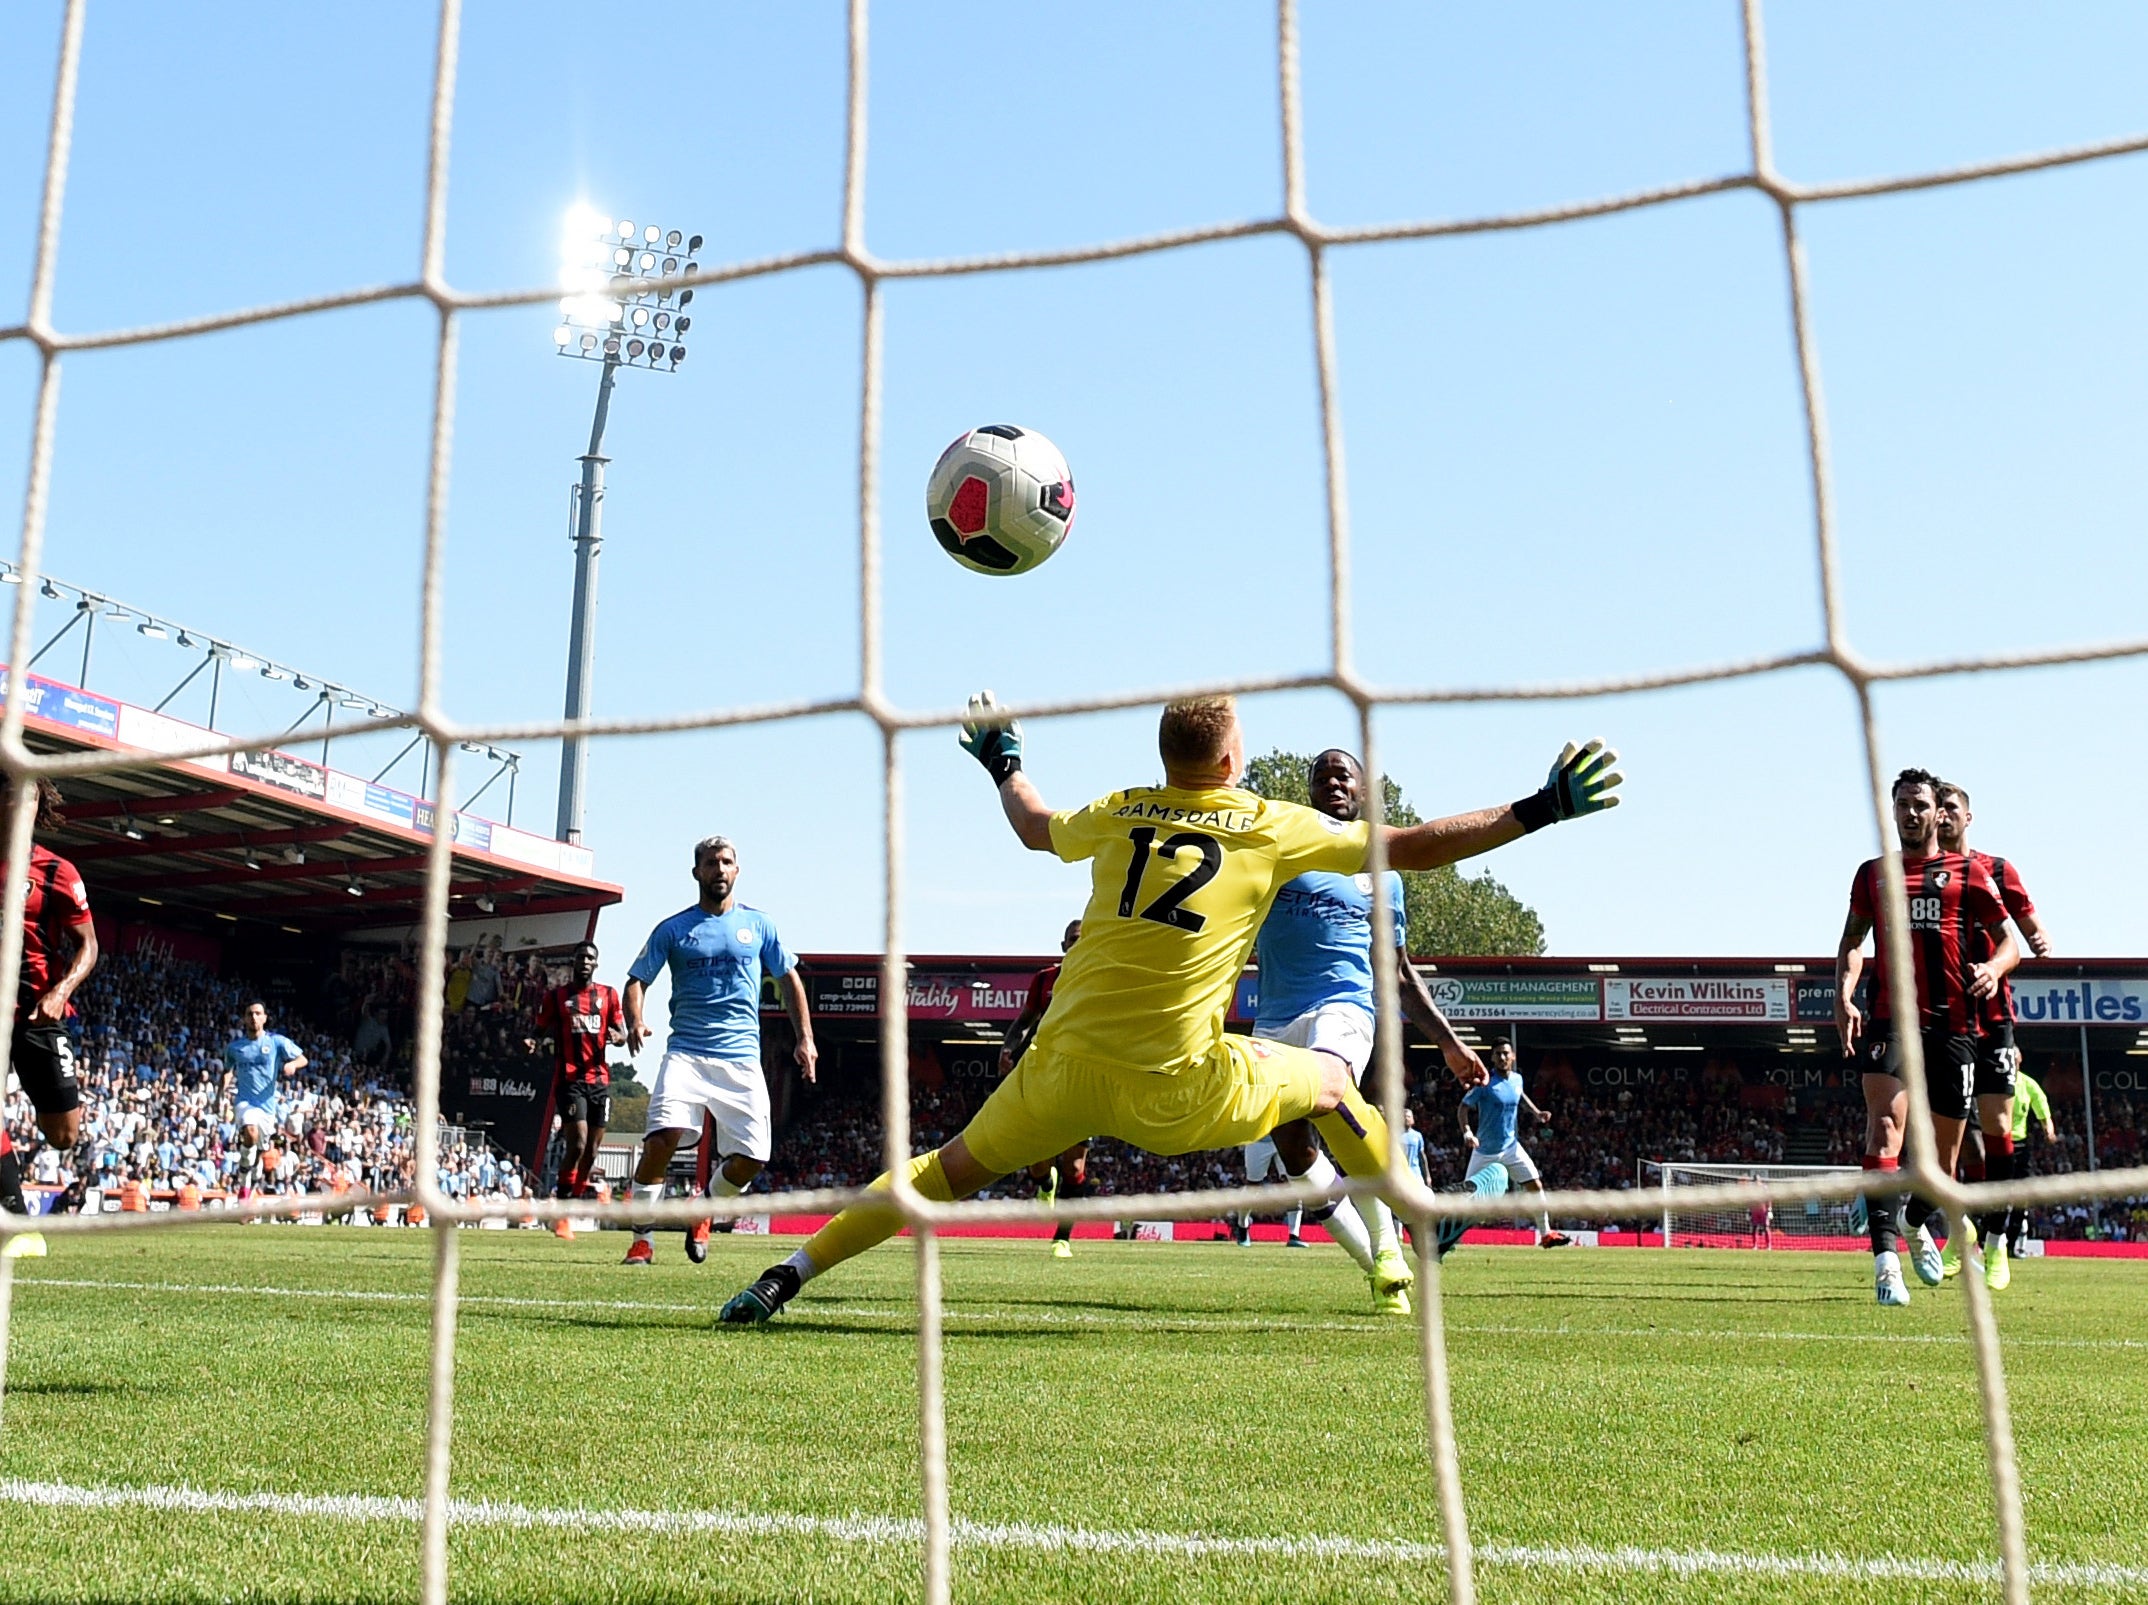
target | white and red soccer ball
x=1000, y=499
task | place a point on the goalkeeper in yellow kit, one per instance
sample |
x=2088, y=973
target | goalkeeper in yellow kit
x=1133, y=1044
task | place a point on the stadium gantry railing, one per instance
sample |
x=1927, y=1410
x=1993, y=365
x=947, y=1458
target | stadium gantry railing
x=1835, y=652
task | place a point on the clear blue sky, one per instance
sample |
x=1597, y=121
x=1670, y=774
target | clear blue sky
x=1571, y=452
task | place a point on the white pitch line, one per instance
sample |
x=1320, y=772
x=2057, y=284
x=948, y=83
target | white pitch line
x=1028, y=1315
x=908, y=1531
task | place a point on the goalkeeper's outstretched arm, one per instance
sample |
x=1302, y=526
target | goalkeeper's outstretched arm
x=995, y=740
x=1582, y=781
x=1025, y=811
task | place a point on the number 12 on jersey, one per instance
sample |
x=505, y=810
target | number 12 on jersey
x=1166, y=909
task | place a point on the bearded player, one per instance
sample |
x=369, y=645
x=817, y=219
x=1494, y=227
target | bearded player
x=1989, y=1144
x=1068, y=1175
x=717, y=951
x=582, y=1018
x=1133, y=1044
x=1951, y=900
x=1315, y=956
x=59, y=949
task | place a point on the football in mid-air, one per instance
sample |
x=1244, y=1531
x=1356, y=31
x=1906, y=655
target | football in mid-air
x=1000, y=499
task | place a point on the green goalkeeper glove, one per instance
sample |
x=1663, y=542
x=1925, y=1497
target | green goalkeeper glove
x=1581, y=782
x=992, y=738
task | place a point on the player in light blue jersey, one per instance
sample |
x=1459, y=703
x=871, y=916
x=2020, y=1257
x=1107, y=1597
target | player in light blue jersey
x=256, y=1060
x=1315, y=956
x=717, y=952
x=1413, y=1149
x=1499, y=1105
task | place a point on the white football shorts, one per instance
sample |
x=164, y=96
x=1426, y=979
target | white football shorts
x=1342, y=1029
x=733, y=1091
x=1262, y=1160
x=263, y=1120
x=1521, y=1168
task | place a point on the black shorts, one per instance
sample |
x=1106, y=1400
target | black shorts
x=44, y=1061
x=1950, y=1065
x=578, y=1100
x=1996, y=1061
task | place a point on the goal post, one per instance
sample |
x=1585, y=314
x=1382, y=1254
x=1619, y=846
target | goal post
x=1760, y=1224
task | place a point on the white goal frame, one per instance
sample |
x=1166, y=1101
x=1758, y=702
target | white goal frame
x=1829, y=1217
x=870, y=702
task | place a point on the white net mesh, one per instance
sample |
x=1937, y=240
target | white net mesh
x=1835, y=651
x=1758, y=1223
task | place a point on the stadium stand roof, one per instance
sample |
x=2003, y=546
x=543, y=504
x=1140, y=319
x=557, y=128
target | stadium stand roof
x=273, y=837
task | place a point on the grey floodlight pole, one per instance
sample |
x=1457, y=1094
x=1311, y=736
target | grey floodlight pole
x=582, y=625
x=623, y=310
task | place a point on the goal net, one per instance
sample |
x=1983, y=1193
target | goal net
x=1833, y=651
x=1760, y=1223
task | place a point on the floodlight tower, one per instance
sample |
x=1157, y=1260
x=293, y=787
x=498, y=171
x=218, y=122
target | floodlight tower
x=622, y=310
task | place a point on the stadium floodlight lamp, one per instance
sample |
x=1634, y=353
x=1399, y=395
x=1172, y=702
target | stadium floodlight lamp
x=269, y=671
x=472, y=746
x=294, y=855
x=485, y=904
x=350, y=699
x=240, y=660
x=131, y=830
x=300, y=683
x=186, y=639
x=49, y=591
x=112, y=610
x=356, y=888
x=378, y=712
x=251, y=862
x=614, y=276
x=152, y=629
x=10, y=575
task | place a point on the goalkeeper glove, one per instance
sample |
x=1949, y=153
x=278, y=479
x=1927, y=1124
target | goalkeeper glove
x=992, y=738
x=1581, y=782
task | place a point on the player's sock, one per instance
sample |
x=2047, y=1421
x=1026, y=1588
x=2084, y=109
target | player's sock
x=1345, y=1222
x=1380, y=1226
x=722, y=1186
x=1356, y=1135
x=1998, y=1166
x=646, y=1192
x=1064, y=1233
x=864, y=1225
x=1881, y=1228
x=11, y=1198
x=1293, y=1219
x=1543, y=1221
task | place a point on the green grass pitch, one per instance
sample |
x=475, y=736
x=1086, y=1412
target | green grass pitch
x=1634, y=1426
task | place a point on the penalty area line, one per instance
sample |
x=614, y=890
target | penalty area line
x=909, y=1531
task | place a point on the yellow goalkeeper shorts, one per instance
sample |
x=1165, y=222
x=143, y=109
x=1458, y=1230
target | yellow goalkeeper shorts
x=1243, y=1089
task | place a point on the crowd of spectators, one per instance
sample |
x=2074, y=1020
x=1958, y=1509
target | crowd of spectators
x=1596, y=1138
x=150, y=1032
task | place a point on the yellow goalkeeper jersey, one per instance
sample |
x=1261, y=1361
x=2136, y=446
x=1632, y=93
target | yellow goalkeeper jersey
x=1179, y=884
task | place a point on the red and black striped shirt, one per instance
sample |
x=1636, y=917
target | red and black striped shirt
x=1998, y=1013
x=1951, y=899
x=54, y=910
x=580, y=1021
